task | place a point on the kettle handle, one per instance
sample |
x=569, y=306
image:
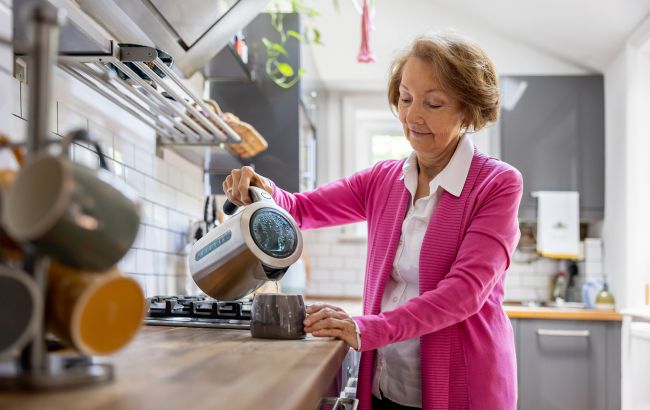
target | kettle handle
x=257, y=194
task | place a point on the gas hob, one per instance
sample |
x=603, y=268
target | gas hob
x=198, y=311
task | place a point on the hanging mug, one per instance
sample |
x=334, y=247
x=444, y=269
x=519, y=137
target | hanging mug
x=21, y=305
x=97, y=313
x=85, y=218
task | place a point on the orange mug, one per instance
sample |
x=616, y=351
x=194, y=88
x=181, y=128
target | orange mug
x=96, y=313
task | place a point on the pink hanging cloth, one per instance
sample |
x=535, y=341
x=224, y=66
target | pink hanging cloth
x=365, y=56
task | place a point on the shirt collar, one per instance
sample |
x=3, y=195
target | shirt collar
x=451, y=178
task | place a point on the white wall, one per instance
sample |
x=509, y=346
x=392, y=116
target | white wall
x=627, y=221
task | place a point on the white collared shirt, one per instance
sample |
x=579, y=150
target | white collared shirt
x=397, y=369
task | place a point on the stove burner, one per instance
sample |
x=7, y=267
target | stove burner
x=198, y=311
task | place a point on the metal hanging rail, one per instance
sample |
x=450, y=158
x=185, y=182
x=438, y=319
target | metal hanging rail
x=191, y=123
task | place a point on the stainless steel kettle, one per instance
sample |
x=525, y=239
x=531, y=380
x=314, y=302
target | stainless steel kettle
x=256, y=245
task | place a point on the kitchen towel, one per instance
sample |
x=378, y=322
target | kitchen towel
x=558, y=224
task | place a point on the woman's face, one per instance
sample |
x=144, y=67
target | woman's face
x=431, y=117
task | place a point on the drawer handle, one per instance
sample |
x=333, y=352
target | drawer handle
x=563, y=333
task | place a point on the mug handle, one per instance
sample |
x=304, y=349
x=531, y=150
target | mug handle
x=83, y=135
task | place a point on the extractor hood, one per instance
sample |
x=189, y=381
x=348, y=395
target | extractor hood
x=191, y=31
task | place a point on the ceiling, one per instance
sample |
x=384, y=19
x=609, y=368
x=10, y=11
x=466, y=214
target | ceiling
x=522, y=37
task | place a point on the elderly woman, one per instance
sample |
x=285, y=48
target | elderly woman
x=442, y=225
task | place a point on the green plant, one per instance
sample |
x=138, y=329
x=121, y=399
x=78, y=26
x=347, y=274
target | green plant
x=277, y=66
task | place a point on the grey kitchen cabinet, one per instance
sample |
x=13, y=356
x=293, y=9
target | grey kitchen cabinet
x=567, y=364
x=552, y=129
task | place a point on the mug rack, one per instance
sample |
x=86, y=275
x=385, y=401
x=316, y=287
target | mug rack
x=179, y=117
x=42, y=364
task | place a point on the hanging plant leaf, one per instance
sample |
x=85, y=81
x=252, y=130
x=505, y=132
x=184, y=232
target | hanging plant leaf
x=267, y=43
x=294, y=34
x=285, y=69
x=277, y=47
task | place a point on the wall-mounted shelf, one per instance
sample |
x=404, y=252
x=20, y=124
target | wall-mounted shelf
x=227, y=66
x=160, y=99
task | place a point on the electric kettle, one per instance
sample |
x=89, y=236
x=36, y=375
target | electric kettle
x=255, y=245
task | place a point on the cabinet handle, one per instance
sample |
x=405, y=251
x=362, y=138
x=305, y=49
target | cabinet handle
x=563, y=333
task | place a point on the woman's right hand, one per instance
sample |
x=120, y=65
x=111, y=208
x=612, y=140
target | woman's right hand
x=236, y=185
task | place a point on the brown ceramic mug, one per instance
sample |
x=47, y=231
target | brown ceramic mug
x=96, y=313
x=278, y=316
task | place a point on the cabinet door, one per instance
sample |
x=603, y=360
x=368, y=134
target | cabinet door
x=552, y=130
x=562, y=365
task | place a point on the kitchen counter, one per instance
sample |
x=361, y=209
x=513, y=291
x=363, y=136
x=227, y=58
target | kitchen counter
x=184, y=368
x=557, y=313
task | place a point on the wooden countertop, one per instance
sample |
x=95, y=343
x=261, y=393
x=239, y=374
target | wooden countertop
x=523, y=312
x=185, y=368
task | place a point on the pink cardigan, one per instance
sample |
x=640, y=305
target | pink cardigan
x=467, y=351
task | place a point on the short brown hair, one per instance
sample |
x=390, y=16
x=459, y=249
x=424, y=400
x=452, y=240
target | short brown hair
x=462, y=67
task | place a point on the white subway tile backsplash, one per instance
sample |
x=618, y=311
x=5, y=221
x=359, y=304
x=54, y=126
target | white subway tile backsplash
x=344, y=276
x=535, y=281
x=160, y=216
x=175, y=177
x=116, y=168
x=135, y=179
x=355, y=262
x=17, y=129
x=6, y=31
x=16, y=108
x=104, y=138
x=6, y=104
x=140, y=237
x=147, y=212
x=152, y=286
x=84, y=156
x=69, y=120
x=330, y=262
x=146, y=262
x=353, y=289
x=143, y=161
x=153, y=238
x=160, y=170
x=128, y=262
x=340, y=250
x=141, y=281
x=316, y=249
x=123, y=150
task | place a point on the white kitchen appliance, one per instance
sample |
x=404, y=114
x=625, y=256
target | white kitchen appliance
x=256, y=245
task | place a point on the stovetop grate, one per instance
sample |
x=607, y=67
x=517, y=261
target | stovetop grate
x=198, y=311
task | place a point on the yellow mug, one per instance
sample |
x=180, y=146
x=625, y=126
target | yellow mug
x=96, y=313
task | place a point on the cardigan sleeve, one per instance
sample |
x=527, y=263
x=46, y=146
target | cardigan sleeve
x=336, y=203
x=482, y=258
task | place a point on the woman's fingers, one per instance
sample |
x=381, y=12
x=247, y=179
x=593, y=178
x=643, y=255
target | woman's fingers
x=338, y=321
x=319, y=306
x=236, y=185
x=324, y=313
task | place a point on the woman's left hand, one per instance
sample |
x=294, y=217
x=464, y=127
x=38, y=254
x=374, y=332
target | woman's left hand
x=331, y=321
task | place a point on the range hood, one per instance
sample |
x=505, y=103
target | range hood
x=191, y=31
